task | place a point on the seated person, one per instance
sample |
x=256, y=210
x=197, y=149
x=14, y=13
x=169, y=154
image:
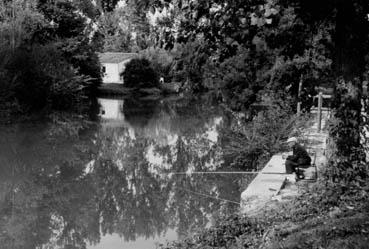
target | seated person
x=299, y=158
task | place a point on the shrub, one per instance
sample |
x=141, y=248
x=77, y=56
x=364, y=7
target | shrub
x=231, y=232
x=347, y=163
x=251, y=143
x=139, y=73
x=161, y=60
x=41, y=77
x=190, y=59
x=80, y=54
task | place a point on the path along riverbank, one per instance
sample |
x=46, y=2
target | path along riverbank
x=272, y=184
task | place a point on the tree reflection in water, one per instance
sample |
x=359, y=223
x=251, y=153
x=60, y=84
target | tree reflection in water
x=66, y=184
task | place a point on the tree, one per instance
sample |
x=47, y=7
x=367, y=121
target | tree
x=19, y=20
x=70, y=33
x=28, y=31
x=140, y=74
x=107, y=5
x=114, y=33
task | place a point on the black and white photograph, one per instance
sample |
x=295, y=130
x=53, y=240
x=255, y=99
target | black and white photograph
x=184, y=124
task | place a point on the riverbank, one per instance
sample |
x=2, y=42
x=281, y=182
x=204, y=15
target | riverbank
x=299, y=215
x=272, y=183
x=113, y=89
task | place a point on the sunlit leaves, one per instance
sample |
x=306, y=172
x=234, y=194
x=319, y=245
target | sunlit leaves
x=107, y=5
x=18, y=23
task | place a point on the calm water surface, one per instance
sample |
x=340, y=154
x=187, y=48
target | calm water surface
x=111, y=182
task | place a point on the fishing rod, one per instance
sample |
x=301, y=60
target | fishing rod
x=218, y=172
x=228, y=172
x=208, y=196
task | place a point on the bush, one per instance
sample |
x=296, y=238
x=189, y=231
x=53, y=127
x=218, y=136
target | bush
x=139, y=73
x=161, y=60
x=231, y=232
x=190, y=59
x=347, y=164
x=80, y=54
x=250, y=143
x=40, y=77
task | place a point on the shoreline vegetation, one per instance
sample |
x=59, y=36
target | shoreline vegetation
x=270, y=54
x=112, y=89
x=318, y=215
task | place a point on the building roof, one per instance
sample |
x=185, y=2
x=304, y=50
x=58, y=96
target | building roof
x=115, y=57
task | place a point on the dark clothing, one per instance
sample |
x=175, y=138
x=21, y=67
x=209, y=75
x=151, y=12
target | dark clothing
x=300, y=155
x=291, y=167
x=299, y=158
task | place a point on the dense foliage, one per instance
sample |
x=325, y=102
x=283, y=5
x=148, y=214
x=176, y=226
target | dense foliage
x=237, y=49
x=48, y=59
x=232, y=232
x=123, y=29
x=260, y=133
x=42, y=76
x=161, y=60
x=140, y=74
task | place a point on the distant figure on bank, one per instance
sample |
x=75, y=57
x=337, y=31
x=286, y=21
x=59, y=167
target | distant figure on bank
x=161, y=80
x=299, y=158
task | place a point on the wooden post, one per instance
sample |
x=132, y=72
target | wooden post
x=320, y=102
x=299, y=97
x=298, y=108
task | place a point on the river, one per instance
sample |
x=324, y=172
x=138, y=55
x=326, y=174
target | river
x=121, y=179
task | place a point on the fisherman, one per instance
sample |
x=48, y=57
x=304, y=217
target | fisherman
x=299, y=158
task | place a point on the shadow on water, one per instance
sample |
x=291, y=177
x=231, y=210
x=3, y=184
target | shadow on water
x=139, y=113
x=109, y=184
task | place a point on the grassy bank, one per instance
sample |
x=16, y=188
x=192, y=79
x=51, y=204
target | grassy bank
x=320, y=218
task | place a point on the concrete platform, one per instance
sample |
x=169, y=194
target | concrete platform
x=266, y=185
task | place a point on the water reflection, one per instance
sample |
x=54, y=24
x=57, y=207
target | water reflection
x=68, y=185
x=111, y=109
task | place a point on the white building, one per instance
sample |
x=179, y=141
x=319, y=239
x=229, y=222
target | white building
x=113, y=64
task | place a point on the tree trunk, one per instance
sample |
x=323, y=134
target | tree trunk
x=349, y=65
x=350, y=39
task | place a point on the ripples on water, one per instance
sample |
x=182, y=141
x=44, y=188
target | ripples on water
x=110, y=183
